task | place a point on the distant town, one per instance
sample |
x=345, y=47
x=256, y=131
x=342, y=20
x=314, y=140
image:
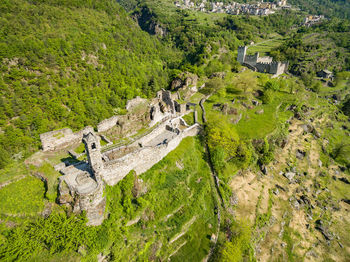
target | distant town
x=234, y=8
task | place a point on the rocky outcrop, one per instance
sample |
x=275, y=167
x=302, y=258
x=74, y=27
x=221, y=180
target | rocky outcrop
x=147, y=20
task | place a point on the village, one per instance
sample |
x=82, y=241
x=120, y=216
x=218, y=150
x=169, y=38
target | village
x=233, y=8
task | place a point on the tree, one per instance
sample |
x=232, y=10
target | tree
x=220, y=134
x=234, y=249
x=245, y=82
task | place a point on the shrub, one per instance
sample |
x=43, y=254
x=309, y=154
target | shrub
x=235, y=249
x=267, y=97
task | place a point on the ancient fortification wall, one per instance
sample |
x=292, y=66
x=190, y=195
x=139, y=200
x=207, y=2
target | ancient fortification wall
x=265, y=59
x=144, y=158
x=107, y=123
x=278, y=68
x=251, y=59
x=263, y=67
x=133, y=103
x=62, y=138
x=82, y=186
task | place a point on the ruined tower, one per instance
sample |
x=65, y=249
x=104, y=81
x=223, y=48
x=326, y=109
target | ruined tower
x=93, y=152
x=242, y=51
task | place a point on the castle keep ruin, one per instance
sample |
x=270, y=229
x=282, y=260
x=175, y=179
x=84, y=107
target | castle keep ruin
x=82, y=186
x=260, y=64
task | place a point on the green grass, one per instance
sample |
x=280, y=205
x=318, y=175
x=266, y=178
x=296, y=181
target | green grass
x=103, y=142
x=12, y=171
x=24, y=197
x=253, y=125
x=266, y=46
x=196, y=98
x=189, y=118
x=80, y=149
x=52, y=175
x=180, y=185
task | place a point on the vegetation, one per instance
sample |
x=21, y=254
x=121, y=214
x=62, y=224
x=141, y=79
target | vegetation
x=160, y=216
x=70, y=64
x=16, y=201
x=325, y=46
x=74, y=63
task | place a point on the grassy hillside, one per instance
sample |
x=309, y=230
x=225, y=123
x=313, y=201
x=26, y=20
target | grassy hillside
x=326, y=46
x=70, y=63
x=170, y=213
x=329, y=8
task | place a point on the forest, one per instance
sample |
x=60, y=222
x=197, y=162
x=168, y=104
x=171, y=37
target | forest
x=71, y=64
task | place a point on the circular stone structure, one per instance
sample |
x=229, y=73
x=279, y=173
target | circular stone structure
x=85, y=183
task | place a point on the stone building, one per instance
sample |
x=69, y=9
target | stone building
x=261, y=64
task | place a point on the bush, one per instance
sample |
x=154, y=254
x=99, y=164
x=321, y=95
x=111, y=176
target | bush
x=220, y=134
x=272, y=85
x=235, y=249
x=267, y=97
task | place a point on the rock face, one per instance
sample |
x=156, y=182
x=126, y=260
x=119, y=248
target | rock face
x=147, y=22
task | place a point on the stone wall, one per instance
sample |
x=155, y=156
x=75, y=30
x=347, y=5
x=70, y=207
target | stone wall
x=144, y=158
x=106, y=124
x=157, y=131
x=157, y=115
x=278, y=68
x=265, y=59
x=166, y=97
x=263, y=67
x=251, y=59
x=133, y=103
x=59, y=139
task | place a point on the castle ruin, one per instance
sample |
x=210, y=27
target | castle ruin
x=81, y=185
x=260, y=64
